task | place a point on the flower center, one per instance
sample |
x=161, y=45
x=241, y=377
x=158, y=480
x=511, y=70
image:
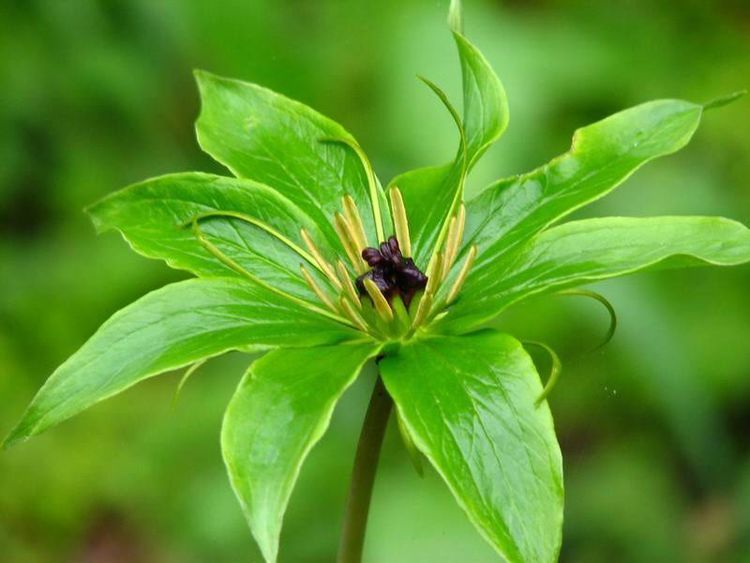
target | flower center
x=391, y=272
x=388, y=296
x=381, y=291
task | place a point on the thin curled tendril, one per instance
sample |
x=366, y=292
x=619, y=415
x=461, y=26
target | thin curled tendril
x=554, y=372
x=462, y=150
x=604, y=301
x=188, y=372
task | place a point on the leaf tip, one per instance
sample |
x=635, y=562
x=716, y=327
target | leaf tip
x=722, y=101
x=199, y=74
x=456, y=17
x=204, y=79
x=94, y=214
x=13, y=438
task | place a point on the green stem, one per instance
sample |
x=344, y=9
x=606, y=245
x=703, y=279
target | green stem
x=363, y=475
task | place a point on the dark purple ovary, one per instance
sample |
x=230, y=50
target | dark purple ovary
x=393, y=273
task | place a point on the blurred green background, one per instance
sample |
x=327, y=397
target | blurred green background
x=655, y=429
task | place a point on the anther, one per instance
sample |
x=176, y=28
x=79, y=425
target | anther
x=400, y=221
x=378, y=300
x=355, y=221
x=424, y=308
x=349, y=288
x=317, y=289
x=433, y=273
x=462, y=275
x=344, y=231
x=323, y=264
x=446, y=251
x=453, y=240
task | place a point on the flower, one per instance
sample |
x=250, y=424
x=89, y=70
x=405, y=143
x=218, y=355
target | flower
x=393, y=274
x=303, y=256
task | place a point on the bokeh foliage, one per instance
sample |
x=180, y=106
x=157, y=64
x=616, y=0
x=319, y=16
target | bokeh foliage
x=99, y=94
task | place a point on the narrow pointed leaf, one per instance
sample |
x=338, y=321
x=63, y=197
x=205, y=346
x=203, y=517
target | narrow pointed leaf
x=602, y=156
x=264, y=136
x=468, y=403
x=154, y=216
x=594, y=249
x=169, y=328
x=485, y=118
x=280, y=410
x=485, y=102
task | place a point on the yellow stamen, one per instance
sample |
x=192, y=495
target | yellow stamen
x=324, y=265
x=462, y=275
x=433, y=273
x=400, y=221
x=355, y=220
x=344, y=230
x=453, y=240
x=349, y=288
x=378, y=300
x=353, y=315
x=317, y=289
x=461, y=222
x=447, y=250
x=424, y=308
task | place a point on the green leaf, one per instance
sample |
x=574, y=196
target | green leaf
x=264, y=136
x=595, y=249
x=485, y=118
x=486, y=111
x=602, y=156
x=154, y=216
x=468, y=402
x=170, y=328
x=281, y=409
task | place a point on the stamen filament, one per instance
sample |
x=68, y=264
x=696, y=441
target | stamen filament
x=323, y=264
x=378, y=300
x=344, y=230
x=317, y=289
x=349, y=288
x=462, y=275
x=355, y=221
x=400, y=221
